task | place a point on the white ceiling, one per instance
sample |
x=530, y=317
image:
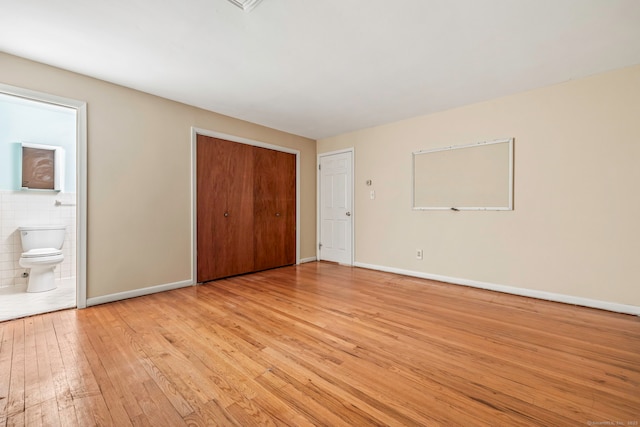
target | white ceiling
x=319, y=68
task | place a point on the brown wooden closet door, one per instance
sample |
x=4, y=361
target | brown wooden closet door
x=274, y=208
x=224, y=208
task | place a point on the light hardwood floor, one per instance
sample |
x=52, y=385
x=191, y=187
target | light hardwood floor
x=322, y=344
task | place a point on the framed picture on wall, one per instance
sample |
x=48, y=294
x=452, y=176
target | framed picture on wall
x=42, y=167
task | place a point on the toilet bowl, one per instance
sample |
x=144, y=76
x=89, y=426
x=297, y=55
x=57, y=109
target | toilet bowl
x=42, y=246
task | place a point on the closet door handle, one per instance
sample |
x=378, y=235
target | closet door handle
x=226, y=214
x=348, y=214
x=277, y=213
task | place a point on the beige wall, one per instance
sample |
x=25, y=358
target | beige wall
x=139, y=174
x=575, y=229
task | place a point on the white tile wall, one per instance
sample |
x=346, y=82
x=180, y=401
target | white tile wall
x=19, y=208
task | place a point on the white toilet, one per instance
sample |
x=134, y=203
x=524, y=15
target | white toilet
x=42, y=246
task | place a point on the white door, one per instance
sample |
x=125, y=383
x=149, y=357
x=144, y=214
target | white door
x=336, y=208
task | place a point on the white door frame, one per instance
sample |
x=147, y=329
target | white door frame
x=81, y=177
x=194, y=188
x=319, y=201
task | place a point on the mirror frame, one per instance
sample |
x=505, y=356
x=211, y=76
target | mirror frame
x=508, y=179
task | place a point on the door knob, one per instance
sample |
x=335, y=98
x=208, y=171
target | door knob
x=226, y=214
x=277, y=213
x=348, y=214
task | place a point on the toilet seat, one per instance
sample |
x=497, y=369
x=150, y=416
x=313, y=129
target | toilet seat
x=42, y=252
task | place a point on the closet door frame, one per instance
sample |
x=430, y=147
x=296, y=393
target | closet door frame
x=194, y=189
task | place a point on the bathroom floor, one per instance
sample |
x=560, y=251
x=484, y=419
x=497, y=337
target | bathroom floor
x=15, y=302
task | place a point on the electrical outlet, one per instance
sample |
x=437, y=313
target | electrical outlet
x=418, y=253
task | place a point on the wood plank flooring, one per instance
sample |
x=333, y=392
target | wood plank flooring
x=322, y=344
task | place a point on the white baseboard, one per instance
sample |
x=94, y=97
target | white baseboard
x=549, y=296
x=138, y=292
x=152, y=290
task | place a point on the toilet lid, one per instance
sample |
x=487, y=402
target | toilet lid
x=35, y=253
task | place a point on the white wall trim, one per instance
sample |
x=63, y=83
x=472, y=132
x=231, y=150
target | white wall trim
x=532, y=293
x=310, y=259
x=81, y=212
x=81, y=177
x=194, y=231
x=138, y=292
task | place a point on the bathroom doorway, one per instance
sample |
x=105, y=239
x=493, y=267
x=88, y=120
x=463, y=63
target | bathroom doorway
x=28, y=117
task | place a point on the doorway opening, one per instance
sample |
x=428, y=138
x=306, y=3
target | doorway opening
x=27, y=118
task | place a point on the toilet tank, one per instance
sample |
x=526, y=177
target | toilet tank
x=42, y=236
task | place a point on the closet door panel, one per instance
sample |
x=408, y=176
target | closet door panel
x=274, y=208
x=224, y=208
